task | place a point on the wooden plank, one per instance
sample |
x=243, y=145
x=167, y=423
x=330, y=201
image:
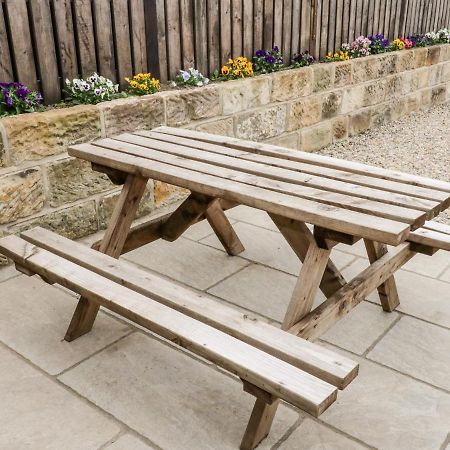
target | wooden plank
x=430, y=238
x=365, y=19
x=225, y=30
x=332, y=19
x=278, y=23
x=65, y=39
x=335, y=218
x=105, y=39
x=295, y=172
x=201, y=36
x=187, y=31
x=85, y=36
x=268, y=24
x=237, y=28
x=352, y=21
x=214, y=35
x=257, y=367
x=324, y=28
x=287, y=29
x=122, y=40
x=6, y=69
x=342, y=302
x=296, y=27
x=388, y=290
x=138, y=39
x=376, y=17
x=437, y=226
x=21, y=43
x=314, y=359
x=310, y=158
x=338, y=40
x=173, y=37
x=305, y=28
x=247, y=24
x=258, y=24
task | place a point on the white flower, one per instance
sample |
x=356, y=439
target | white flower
x=173, y=84
x=200, y=83
x=206, y=80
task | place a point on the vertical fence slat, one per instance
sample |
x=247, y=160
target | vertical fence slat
x=296, y=27
x=345, y=33
x=305, y=28
x=45, y=50
x=268, y=24
x=338, y=28
x=287, y=29
x=155, y=30
x=236, y=37
x=122, y=40
x=324, y=27
x=137, y=24
x=85, y=37
x=187, y=31
x=173, y=37
x=105, y=39
x=6, y=69
x=201, y=38
x=331, y=25
x=358, y=18
x=258, y=25
x=214, y=35
x=278, y=23
x=247, y=24
x=225, y=30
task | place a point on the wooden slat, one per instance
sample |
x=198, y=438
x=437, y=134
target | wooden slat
x=430, y=238
x=268, y=24
x=399, y=193
x=437, y=226
x=201, y=36
x=214, y=35
x=247, y=25
x=257, y=367
x=296, y=27
x=6, y=69
x=338, y=219
x=332, y=25
x=237, y=32
x=187, y=30
x=287, y=29
x=305, y=29
x=310, y=158
x=278, y=23
x=105, y=39
x=225, y=30
x=314, y=359
x=173, y=37
x=155, y=25
x=324, y=28
x=122, y=40
x=137, y=24
x=21, y=42
x=258, y=24
x=85, y=36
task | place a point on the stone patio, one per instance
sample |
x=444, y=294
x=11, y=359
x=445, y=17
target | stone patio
x=121, y=388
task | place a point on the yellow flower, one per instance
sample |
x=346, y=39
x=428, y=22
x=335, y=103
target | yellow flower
x=237, y=72
x=225, y=71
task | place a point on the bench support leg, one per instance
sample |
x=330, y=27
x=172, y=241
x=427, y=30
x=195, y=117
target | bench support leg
x=388, y=290
x=112, y=243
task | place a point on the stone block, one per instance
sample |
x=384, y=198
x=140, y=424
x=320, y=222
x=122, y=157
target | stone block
x=394, y=86
x=3, y=261
x=405, y=60
x=133, y=113
x=286, y=140
x=73, y=179
x=387, y=64
x=240, y=95
x=223, y=127
x=331, y=104
x=316, y=137
x=381, y=114
x=107, y=204
x=21, y=195
x=445, y=74
x=365, y=69
x=287, y=85
x=411, y=103
x=34, y=136
x=323, y=77
x=305, y=112
x=165, y=194
x=435, y=72
x=397, y=108
x=339, y=128
x=262, y=124
x=425, y=98
x=343, y=75
x=187, y=105
x=421, y=78
x=360, y=122
x=375, y=92
x=2, y=150
x=445, y=53
x=434, y=55
x=74, y=222
x=420, y=57
x=438, y=95
x=353, y=99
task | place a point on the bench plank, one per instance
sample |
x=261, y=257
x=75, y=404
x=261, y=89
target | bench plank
x=310, y=158
x=305, y=355
x=251, y=364
x=430, y=238
x=375, y=228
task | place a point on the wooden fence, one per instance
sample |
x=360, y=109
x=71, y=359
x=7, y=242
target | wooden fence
x=42, y=42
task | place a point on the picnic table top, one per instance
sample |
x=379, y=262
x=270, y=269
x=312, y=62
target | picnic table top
x=344, y=196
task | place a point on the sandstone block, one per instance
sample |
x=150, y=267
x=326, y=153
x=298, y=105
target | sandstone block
x=73, y=179
x=339, y=127
x=360, y=122
x=394, y=86
x=374, y=92
x=287, y=85
x=323, y=77
x=2, y=151
x=436, y=72
x=74, y=222
x=421, y=78
x=240, y=95
x=133, y=113
x=445, y=74
x=420, y=57
x=192, y=104
x=397, y=108
x=34, y=136
x=223, y=127
x=405, y=60
x=343, y=75
x=106, y=206
x=365, y=69
x=304, y=112
x=387, y=64
x=411, y=102
x=438, y=95
x=434, y=55
x=316, y=137
x=331, y=104
x=425, y=98
x=21, y=195
x=165, y=194
x=353, y=99
x=262, y=124
x=445, y=53
x=381, y=114
x=286, y=140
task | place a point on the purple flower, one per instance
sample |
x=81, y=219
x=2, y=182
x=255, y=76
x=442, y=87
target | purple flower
x=260, y=53
x=380, y=37
x=270, y=59
x=7, y=98
x=276, y=49
x=22, y=92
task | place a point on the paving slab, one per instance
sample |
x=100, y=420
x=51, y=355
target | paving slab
x=445, y=276
x=187, y=261
x=271, y=249
x=252, y=216
x=38, y=413
x=391, y=411
x=168, y=397
x=128, y=442
x=8, y=272
x=359, y=329
x=430, y=266
x=311, y=435
x=416, y=348
x=200, y=230
x=34, y=317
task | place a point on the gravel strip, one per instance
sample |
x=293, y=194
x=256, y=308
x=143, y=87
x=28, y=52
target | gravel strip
x=418, y=144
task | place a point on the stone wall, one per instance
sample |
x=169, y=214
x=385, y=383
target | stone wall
x=306, y=109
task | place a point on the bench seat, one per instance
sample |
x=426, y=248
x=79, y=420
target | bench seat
x=433, y=236
x=284, y=366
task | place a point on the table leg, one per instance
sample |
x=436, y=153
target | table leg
x=388, y=290
x=112, y=243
